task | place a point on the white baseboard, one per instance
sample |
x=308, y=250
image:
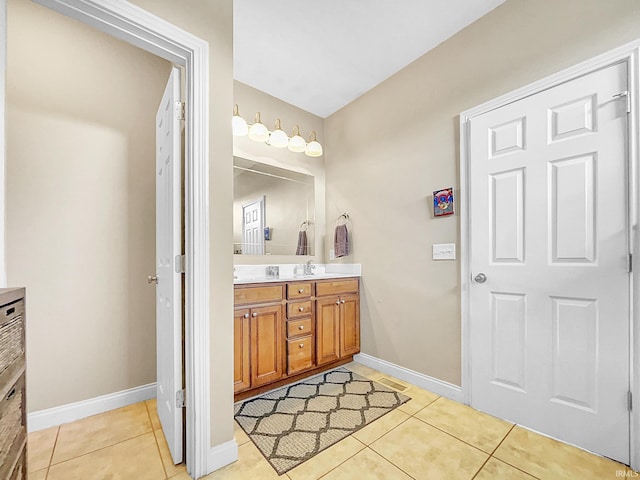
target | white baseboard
x=421, y=380
x=55, y=416
x=222, y=455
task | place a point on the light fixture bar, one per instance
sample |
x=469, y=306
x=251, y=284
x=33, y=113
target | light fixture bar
x=277, y=138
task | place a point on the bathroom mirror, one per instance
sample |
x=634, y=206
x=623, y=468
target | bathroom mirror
x=271, y=205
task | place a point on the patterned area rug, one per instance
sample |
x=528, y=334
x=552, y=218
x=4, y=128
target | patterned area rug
x=294, y=423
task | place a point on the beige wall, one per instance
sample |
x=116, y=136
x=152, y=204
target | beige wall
x=400, y=141
x=81, y=204
x=213, y=22
x=250, y=101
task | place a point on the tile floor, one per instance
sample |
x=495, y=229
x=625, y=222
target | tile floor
x=428, y=437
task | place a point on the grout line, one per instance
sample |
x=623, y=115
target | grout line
x=346, y=459
x=387, y=460
x=155, y=437
x=459, y=439
x=505, y=462
x=55, y=444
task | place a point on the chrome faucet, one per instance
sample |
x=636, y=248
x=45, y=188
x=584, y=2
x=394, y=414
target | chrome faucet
x=308, y=268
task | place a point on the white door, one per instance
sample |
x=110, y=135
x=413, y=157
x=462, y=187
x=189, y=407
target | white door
x=253, y=228
x=169, y=283
x=549, y=303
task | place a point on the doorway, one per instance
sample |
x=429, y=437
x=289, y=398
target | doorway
x=130, y=23
x=547, y=278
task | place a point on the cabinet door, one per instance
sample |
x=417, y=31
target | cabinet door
x=327, y=330
x=266, y=344
x=349, y=325
x=241, y=339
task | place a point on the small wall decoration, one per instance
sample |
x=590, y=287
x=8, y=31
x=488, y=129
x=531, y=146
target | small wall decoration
x=443, y=202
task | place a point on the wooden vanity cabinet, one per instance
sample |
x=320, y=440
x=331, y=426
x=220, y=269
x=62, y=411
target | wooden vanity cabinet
x=337, y=320
x=286, y=331
x=258, y=336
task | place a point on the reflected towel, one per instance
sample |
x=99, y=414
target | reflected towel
x=303, y=247
x=341, y=241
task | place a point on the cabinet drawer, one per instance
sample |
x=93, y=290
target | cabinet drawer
x=299, y=327
x=262, y=294
x=298, y=290
x=336, y=287
x=12, y=421
x=299, y=354
x=298, y=309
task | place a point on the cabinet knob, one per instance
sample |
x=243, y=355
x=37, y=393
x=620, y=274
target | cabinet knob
x=338, y=302
x=246, y=315
x=301, y=345
x=301, y=309
x=254, y=314
x=301, y=290
x=301, y=327
x=341, y=301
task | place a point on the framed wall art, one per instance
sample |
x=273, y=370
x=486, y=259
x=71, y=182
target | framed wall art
x=443, y=202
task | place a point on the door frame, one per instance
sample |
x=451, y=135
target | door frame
x=630, y=54
x=140, y=28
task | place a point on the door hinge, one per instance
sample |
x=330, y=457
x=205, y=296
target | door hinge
x=180, y=263
x=629, y=400
x=180, y=399
x=180, y=110
x=627, y=96
x=630, y=266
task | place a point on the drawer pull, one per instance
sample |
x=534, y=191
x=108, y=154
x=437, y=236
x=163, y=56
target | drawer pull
x=301, y=327
x=10, y=311
x=301, y=309
x=246, y=315
x=254, y=314
x=301, y=345
x=301, y=290
x=11, y=394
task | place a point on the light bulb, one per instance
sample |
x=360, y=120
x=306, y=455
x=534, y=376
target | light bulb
x=296, y=142
x=239, y=126
x=258, y=132
x=278, y=137
x=314, y=149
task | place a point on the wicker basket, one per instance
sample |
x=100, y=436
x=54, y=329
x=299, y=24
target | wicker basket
x=10, y=420
x=11, y=344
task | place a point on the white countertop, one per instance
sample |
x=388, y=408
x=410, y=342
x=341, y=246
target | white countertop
x=244, y=274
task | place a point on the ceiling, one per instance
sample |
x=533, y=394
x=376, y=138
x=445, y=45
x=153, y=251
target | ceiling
x=319, y=55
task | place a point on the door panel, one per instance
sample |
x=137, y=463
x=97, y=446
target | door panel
x=549, y=329
x=266, y=344
x=350, y=325
x=327, y=330
x=241, y=352
x=169, y=283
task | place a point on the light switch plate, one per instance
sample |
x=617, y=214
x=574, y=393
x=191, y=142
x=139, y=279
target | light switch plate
x=332, y=254
x=444, y=251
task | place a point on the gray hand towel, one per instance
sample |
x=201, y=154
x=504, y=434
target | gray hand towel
x=341, y=241
x=303, y=247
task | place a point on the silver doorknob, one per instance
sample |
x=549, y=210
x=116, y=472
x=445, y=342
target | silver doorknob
x=152, y=279
x=480, y=278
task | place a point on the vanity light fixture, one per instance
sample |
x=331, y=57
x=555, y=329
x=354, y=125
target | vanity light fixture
x=296, y=142
x=240, y=127
x=278, y=138
x=258, y=132
x=313, y=149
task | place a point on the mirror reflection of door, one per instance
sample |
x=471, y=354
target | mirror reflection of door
x=253, y=227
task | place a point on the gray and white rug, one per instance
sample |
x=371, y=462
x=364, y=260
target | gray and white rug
x=294, y=423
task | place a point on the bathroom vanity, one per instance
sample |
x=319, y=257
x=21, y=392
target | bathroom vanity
x=286, y=330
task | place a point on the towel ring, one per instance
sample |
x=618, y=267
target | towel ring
x=344, y=216
x=304, y=226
